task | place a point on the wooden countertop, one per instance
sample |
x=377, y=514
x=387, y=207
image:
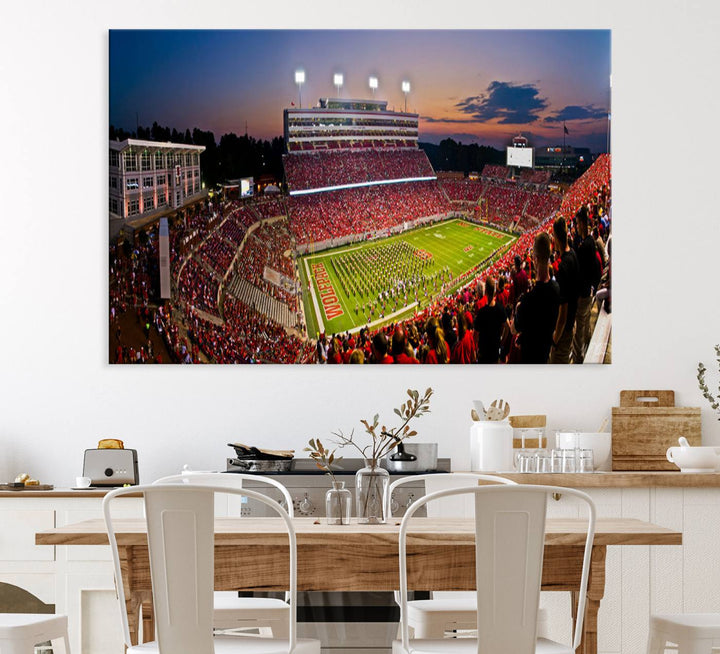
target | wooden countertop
x=58, y=493
x=644, y=479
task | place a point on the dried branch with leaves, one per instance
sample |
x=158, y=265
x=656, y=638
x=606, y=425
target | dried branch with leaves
x=713, y=399
x=323, y=457
x=384, y=440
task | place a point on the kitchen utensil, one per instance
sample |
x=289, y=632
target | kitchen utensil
x=480, y=408
x=250, y=451
x=424, y=458
x=474, y=415
x=603, y=425
x=261, y=465
x=683, y=441
x=401, y=455
x=694, y=459
x=645, y=424
x=498, y=411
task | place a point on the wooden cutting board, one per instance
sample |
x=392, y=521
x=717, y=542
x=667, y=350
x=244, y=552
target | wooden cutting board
x=6, y=487
x=645, y=425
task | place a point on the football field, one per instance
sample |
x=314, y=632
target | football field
x=385, y=280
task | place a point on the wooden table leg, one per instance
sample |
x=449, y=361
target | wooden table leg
x=133, y=606
x=148, y=616
x=596, y=591
x=138, y=595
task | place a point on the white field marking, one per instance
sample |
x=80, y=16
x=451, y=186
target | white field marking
x=318, y=314
x=380, y=321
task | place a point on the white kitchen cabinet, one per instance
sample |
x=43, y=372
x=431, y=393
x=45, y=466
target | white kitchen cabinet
x=78, y=580
x=644, y=579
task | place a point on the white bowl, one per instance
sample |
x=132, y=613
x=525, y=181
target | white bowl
x=599, y=442
x=695, y=459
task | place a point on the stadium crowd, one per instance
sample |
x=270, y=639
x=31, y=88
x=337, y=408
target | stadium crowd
x=364, y=210
x=524, y=308
x=321, y=169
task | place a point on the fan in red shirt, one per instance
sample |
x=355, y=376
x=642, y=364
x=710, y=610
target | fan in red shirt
x=380, y=349
x=464, y=349
x=401, y=352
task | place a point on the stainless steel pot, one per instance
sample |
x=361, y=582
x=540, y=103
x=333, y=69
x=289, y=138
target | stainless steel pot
x=261, y=465
x=425, y=458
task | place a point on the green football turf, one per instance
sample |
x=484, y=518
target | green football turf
x=354, y=275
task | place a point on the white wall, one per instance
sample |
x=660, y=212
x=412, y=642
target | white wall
x=58, y=395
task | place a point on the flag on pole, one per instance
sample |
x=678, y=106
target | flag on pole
x=292, y=104
x=565, y=129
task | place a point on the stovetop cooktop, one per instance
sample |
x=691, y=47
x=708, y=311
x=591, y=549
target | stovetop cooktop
x=345, y=467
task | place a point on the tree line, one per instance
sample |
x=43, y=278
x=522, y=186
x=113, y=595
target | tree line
x=450, y=155
x=244, y=156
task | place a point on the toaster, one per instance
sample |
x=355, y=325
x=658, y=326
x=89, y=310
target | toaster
x=110, y=467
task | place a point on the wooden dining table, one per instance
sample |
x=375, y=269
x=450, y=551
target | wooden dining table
x=251, y=554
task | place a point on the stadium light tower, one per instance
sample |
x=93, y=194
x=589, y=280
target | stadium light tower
x=373, y=82
x=300, y=80
x=338, y=81
x=406, y=90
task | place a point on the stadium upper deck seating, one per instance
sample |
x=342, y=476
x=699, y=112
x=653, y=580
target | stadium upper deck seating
x=322, y=169
x=334, y=214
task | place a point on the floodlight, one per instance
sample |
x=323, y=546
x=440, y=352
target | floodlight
x=405, y=89
x=300, y=80
x=338, y=79
x=373, y=82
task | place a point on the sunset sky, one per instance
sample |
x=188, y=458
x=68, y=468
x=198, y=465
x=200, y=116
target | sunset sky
x=481, y=86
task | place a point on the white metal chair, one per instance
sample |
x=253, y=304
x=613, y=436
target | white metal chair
x=180, y=528
x=445, y=611
x=693, y=633
x=231, y=611
x=20, y=632
x=509, y=545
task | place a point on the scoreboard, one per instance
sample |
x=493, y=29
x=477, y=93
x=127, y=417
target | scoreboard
x=521, y=157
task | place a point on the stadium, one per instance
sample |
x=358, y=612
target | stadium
x=367, y=255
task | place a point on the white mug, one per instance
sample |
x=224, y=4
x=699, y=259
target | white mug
x=82, y=482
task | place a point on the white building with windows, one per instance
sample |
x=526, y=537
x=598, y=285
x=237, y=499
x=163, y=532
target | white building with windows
x=149, y=178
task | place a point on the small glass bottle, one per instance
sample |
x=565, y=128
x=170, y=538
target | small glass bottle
x=338, y=501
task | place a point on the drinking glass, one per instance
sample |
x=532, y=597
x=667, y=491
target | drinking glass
x=568, y=460
x=543, y=461
x=520, y=454
x=526, y=461
x=539, y=434
x=585, y=461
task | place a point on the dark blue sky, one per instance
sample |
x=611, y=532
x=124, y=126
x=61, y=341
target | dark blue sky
x=481, y=86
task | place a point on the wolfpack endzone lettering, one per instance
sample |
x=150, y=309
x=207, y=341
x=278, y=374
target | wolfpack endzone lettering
x=488, y=232
x=329, y=299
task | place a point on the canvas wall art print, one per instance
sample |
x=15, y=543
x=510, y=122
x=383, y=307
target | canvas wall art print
x=359, y=197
